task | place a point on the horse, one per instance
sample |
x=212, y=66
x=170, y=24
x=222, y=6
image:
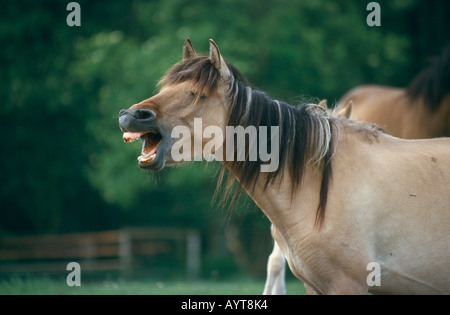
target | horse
x=345, y=197
x=419, y=111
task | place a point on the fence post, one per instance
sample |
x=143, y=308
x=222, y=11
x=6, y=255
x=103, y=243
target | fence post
x=88, y=253
x=193, y=254
x=125, y=252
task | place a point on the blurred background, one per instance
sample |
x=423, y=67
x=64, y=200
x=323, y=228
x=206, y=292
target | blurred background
x=64, y=166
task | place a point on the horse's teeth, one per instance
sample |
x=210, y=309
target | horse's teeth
x=146, y=160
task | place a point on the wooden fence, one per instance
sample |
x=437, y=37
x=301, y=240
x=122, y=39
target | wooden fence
x=99, y=251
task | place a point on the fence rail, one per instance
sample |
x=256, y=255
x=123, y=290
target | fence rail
x=96, y=251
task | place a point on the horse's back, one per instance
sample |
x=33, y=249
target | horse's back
x=380, y=105
x=396, y=112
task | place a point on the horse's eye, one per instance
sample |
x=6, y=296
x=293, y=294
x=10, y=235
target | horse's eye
x=195, y=95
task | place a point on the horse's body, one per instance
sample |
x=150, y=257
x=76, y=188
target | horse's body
x=420, y=111
x=345, y=194
x=396, y=216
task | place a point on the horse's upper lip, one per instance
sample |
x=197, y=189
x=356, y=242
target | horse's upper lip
x=131, y=136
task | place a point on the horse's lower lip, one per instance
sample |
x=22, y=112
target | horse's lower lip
x=155, y=159
x=147, y=160
x=156, y=164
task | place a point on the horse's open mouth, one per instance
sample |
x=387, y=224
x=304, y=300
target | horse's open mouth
x=150, y=143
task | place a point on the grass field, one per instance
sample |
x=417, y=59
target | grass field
x=58, y=286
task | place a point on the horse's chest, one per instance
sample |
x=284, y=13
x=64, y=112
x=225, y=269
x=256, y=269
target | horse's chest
x=293, y=254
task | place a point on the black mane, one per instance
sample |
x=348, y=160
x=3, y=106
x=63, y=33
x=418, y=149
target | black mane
x=433, y=83
x=296, y=125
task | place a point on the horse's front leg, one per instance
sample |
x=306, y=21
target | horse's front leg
x=276, y=269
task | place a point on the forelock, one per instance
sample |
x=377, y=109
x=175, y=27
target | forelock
x=199, y=70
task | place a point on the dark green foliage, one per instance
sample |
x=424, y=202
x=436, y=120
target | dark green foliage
x=64, y=165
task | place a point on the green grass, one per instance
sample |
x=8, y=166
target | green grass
x=57, y=286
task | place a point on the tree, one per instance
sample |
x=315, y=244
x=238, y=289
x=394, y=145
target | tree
x=65, y=167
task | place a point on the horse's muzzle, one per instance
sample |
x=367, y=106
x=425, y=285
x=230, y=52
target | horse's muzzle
x=135, y=119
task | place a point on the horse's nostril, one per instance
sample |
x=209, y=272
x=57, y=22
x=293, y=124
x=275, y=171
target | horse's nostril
x=122, y=112
x=144, y=114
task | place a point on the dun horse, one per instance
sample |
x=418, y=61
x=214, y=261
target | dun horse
x=420, y=111
x=345, y=195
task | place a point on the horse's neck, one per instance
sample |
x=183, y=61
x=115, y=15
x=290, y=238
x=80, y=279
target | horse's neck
x=285, y=209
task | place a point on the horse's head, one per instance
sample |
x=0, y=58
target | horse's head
x=193, y=88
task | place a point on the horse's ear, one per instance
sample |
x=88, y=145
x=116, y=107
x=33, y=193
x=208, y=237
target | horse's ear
x=323, y=104
x=217, y=60
x=188, y=50
x=346, y=110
